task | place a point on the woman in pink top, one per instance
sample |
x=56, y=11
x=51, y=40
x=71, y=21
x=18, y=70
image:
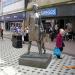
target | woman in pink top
x=59, y=40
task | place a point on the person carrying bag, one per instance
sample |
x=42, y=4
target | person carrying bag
x=59, y=43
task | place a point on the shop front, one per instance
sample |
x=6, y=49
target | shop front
x=61, y=15
x=12, y=20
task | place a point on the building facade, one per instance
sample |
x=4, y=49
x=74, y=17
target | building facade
x=12, y=13
x=54, y=12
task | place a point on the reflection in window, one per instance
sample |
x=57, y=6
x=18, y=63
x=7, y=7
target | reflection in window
x=7, y=2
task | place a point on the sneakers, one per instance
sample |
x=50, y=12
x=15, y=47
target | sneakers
x=59, y=57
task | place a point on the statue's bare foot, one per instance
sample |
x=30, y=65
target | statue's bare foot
x=44, y=52
x=28, y=53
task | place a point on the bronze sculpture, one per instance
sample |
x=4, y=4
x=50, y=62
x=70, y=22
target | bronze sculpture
x=36, y=30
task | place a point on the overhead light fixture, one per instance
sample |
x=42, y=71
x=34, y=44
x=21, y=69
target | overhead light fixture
x=15, y=16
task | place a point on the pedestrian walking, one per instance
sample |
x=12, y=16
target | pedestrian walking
x=1, y=33
x=59, y=41
x=56, y=29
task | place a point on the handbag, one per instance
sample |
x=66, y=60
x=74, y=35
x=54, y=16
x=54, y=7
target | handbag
x=57, y=51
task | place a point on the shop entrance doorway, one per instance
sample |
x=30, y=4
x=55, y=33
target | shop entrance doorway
x=60, y=23
x=8, y=25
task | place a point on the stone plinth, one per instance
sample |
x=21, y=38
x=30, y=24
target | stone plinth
x=35, y=60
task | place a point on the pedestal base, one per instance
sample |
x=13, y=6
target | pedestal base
x=35, y=60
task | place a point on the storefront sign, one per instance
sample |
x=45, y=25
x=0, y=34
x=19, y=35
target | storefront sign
x=13, y=17
x=48, y=12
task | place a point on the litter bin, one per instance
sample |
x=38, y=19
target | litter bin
x=17, y=41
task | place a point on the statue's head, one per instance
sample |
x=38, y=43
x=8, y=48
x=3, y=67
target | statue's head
x=35, y=7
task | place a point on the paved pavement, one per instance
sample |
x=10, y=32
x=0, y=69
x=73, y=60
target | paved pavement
x=9, y=62
x=7, y=34
x=68, y=49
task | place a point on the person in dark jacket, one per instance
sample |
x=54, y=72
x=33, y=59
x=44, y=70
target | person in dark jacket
x=59, y=40
x=1, y=32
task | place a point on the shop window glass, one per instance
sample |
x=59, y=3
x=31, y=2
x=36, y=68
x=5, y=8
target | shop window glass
x=7, y=2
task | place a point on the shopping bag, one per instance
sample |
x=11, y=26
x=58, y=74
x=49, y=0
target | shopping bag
x=57, y=51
